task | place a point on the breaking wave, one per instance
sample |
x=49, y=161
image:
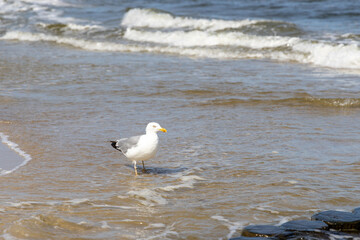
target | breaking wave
x=151, y=18
x=153, y=31
x=145, y=25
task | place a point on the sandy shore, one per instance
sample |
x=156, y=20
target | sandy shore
x=11, y=157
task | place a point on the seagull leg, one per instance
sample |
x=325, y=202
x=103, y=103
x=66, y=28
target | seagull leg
x=134, y=162
x=143, y=170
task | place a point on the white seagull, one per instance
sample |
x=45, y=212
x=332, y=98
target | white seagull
x=141, y=147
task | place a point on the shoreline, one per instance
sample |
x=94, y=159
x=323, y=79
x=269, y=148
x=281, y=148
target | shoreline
x=12, y=157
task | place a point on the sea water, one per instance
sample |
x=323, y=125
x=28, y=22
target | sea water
x=260, y=100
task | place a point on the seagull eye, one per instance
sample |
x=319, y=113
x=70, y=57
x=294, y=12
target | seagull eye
x=154, y=126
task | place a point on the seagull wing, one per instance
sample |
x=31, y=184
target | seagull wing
x=124, y=144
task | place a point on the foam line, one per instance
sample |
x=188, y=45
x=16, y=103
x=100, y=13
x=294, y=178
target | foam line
x=216, y=45
x=14, y=147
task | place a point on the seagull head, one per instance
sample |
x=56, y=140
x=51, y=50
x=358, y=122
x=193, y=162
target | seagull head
x=154, y=127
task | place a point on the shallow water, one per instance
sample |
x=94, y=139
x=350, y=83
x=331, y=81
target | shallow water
x=249, y=140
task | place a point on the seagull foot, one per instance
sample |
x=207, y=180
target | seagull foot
x=144, y=169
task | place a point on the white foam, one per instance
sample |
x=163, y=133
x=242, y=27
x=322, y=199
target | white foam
x=164, y=233
x=148, y=197
x=325, y=54
x=75, y=27
x=201, y=45
x=204, y=33
x=334, y=236
x=32, y=203
x=53, y=16
x=155, y=225
x=79, y=43
x=232, y=226
x=111, y=206
x=284, y=220
x=113, y=47
x=14, y=147
x=8, y=236
x=267, y=210
x=58, y=3
x=40, y=9
x=77, y=201
x=188, y=182
x=105, y=225
x=128, y=220
x=151, y=19
x=206, y=39
x=20, y=204
x=329, y=54
x=11, y=9
x=292, y=181
x=79, y=27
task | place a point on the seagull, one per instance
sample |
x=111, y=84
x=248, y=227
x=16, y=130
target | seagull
x=142, y=147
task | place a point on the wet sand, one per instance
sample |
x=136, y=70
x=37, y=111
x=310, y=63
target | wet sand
x=248, y=142
x=10, y=156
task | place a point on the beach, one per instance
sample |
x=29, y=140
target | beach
x=261, y=110
x=11, y=156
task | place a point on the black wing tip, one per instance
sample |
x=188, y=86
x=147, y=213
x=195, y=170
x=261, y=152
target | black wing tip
x=113, y=144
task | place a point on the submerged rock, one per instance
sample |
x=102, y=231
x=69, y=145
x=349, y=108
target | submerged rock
x=356, y=211
x=344, y=221
x=304, y=236
x=262, y=231
x=322, y=226
x=305, y=225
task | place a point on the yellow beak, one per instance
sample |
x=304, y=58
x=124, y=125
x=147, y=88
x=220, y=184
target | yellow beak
x=162, y=129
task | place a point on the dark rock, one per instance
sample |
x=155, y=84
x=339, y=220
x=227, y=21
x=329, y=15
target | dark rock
x=304, y=225
x=356, y=211
x=343, y=221
x=316, y=235
x=325, y=225
x=262, y=231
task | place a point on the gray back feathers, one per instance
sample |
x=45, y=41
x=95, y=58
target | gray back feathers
x=125, y=144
